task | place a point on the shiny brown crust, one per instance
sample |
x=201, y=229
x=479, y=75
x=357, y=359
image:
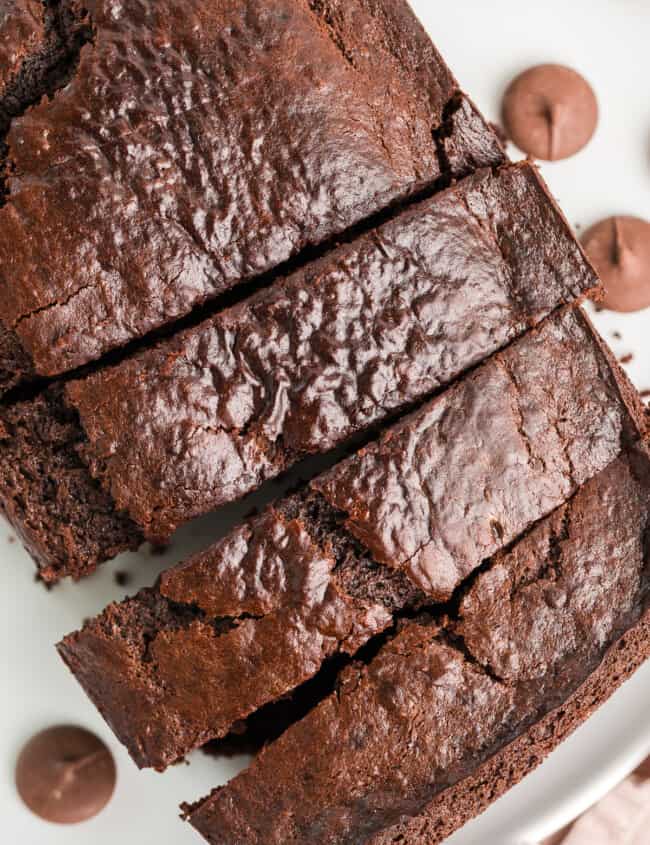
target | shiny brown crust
x=171, y=668
x=474, y=794
x=407, y=496
x=457, y=707
x=368, y=330
x=247, y=131
x=39, y=48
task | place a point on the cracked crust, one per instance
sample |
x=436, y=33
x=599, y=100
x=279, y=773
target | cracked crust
x=199, y=186
x=566, y=583
x=469, y=471
x=302, y=586
x=360, y=334
x=473, y=794
x=336, y=348
x=425, y=736
x=265, y=612
x=372, y=722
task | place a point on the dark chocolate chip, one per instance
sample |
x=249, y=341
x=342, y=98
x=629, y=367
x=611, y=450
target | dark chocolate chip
x=550, y=112
x=619, y=248
x=65, y=774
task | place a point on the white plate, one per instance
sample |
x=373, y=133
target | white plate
x=485, y=43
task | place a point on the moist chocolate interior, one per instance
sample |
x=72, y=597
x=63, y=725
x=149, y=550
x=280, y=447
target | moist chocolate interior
x=43, y=426
x=40, y=458
x=549, y=705
x=358, y=574
x=355, y=569
x=142, y=618
x=32, y=409
x=361, y=578
x=69, y=30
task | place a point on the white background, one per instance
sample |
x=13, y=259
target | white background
x=485, y=43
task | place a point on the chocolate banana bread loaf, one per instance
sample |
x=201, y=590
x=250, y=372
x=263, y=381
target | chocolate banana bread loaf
x=202, y=143
x=454, y=709
x=397, y=527
x=360, y=334
x=364, y=332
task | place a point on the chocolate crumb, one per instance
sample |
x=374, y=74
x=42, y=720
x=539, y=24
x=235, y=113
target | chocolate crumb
x=122, y=578
x=617, y=335
x=38, y=580
x=625, y=359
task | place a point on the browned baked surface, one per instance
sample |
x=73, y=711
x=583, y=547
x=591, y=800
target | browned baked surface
x=39, y=48
x=450, y=714
x=370, y=329
x=262, y=611
x=202, y=143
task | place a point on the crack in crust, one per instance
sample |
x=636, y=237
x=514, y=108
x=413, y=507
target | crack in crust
x=222, y=213
x=349, y=607
x=430, y=706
